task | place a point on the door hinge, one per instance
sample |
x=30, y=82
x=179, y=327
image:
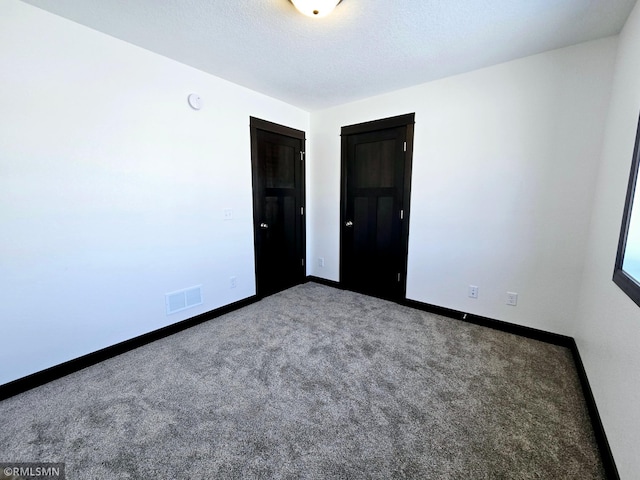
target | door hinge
x=398, y=276
x=401, y=214
x=303, y=262
x=301, y=155
x=301, y=210
x=405, y=146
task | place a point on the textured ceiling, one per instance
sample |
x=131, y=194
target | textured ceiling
x=364, y=48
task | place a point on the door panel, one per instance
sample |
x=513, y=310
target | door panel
x=375, y=190
x=374, y=167
x=278, y=190
x=279, y=162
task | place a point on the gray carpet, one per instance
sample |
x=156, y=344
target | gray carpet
x=315, y=383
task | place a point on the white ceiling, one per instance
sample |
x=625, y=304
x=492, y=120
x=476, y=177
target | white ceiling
x=364, y=48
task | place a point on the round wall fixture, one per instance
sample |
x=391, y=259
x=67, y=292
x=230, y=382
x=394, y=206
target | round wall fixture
x=195, y=101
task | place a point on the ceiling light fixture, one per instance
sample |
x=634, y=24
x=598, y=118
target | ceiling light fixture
x=315, y=8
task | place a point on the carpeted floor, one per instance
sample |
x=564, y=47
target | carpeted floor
x=315, y=383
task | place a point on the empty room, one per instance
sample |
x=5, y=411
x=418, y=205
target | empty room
x=319, y=239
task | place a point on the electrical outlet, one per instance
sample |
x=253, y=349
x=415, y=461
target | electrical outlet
x=512, y=299
x=233, y=282
x=473, y=291
x=227, y=213
x=321, y=262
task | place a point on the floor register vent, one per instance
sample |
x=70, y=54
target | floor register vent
x=183, y=299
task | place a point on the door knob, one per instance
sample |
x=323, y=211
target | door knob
x=348, y=223
x=264, y=226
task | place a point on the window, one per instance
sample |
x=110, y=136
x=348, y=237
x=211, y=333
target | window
x=627, y=269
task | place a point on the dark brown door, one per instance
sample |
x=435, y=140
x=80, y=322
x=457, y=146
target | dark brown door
x=376, y=176
x=278, y=196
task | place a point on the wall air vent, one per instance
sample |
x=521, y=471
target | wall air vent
x=183, y=299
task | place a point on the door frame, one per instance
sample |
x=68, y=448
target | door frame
x=256, y=124
x=408, y=121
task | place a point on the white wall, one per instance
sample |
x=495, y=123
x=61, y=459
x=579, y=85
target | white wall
x=504, y=168
x=608, y=322
x=112, y=189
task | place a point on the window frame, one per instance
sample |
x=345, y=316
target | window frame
x=627, y=283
